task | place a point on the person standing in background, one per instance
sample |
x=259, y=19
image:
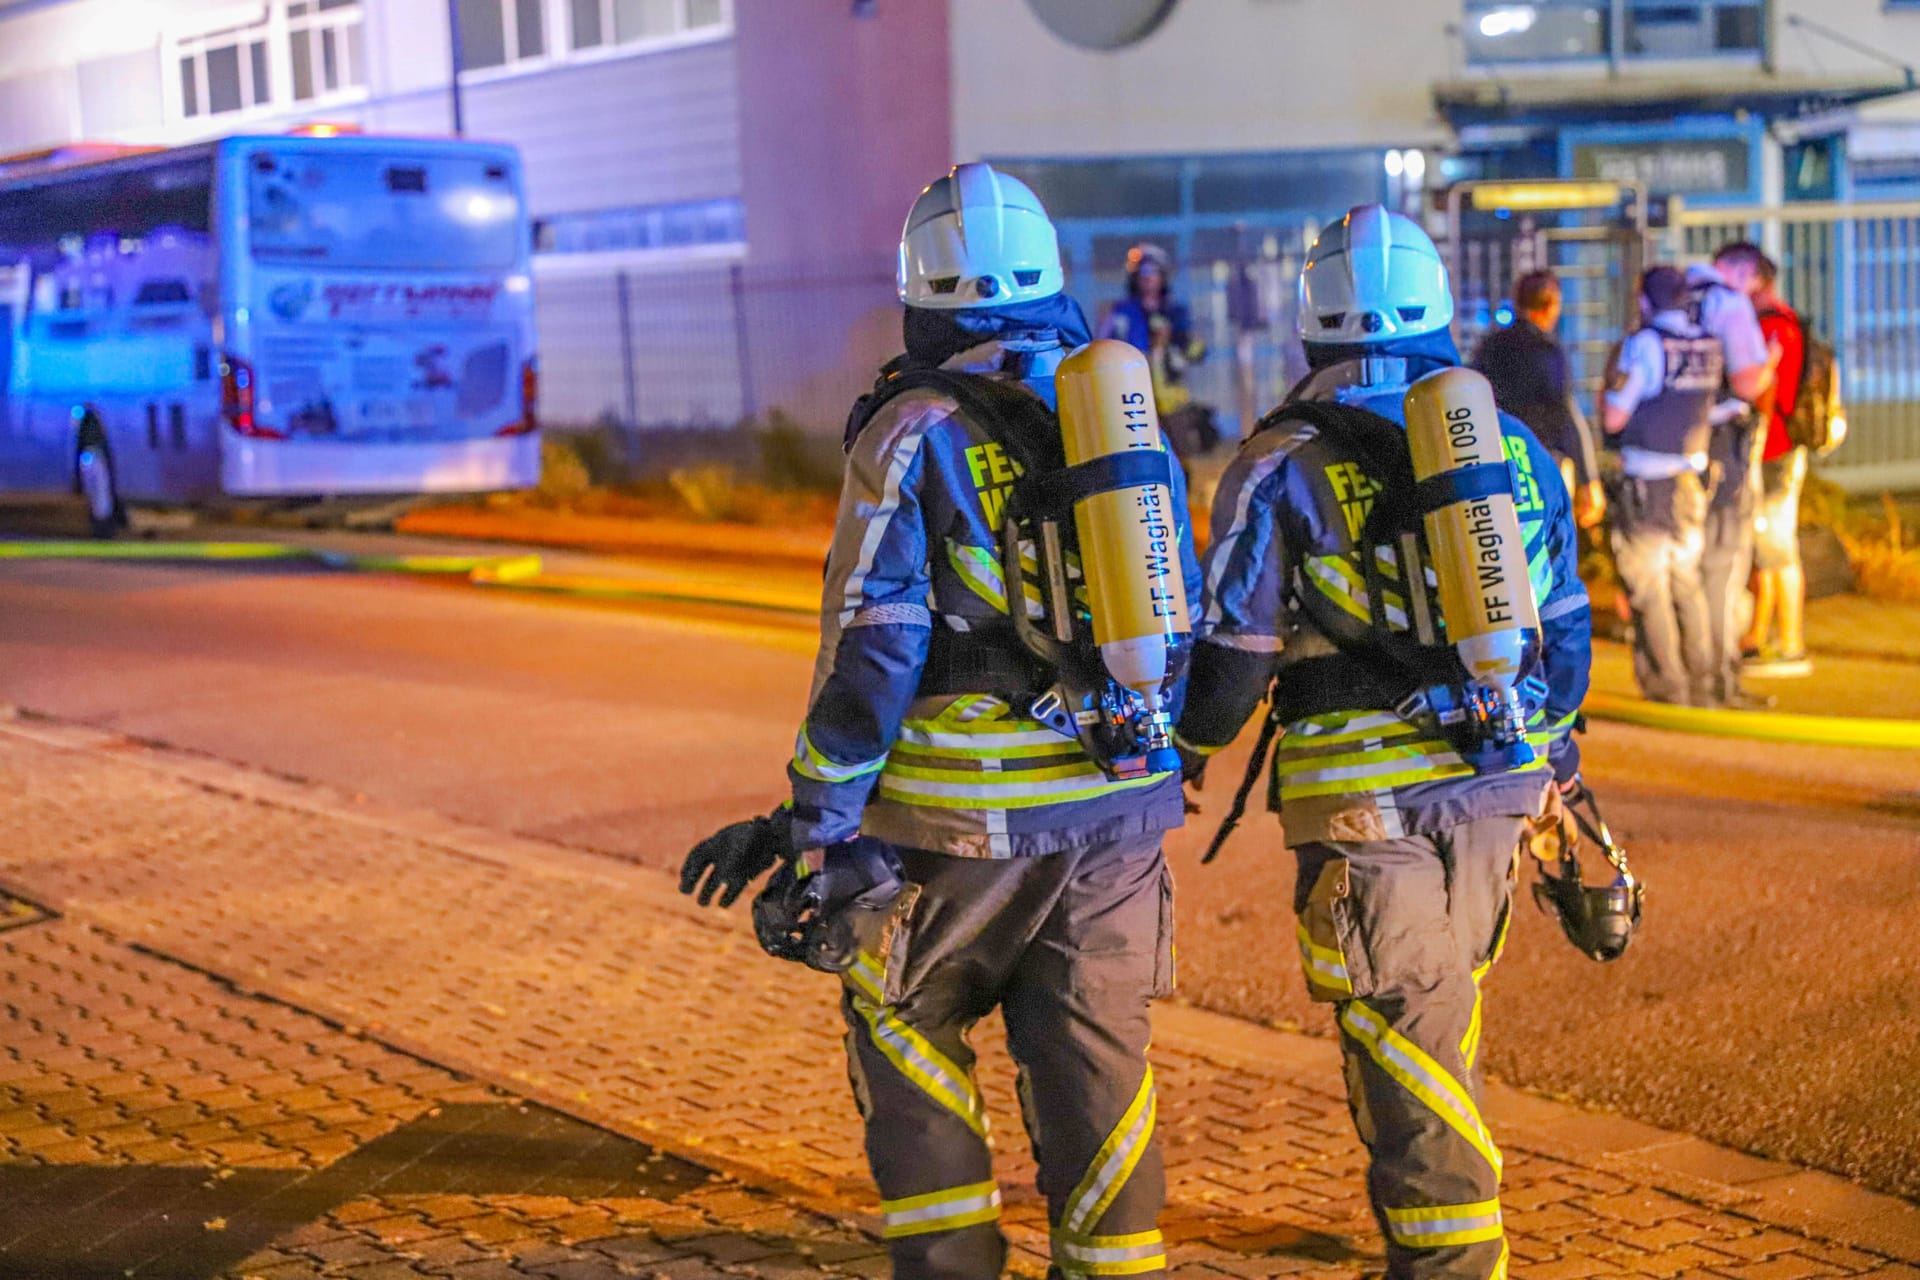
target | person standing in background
x=1721, y=306
x=1780, y=585
x=1657, y=412
x=1533, y=380
x=1160, y=326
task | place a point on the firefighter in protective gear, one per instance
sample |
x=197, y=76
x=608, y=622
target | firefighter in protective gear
x=1034, y=877
x=1406, y=852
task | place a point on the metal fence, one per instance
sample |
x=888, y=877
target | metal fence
x=1852, y=271
x=725, y=343
x=709, y=346
x=721, y=343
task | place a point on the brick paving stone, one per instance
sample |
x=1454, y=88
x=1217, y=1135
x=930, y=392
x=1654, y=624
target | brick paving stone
x=211, y=1156
x=594, y=988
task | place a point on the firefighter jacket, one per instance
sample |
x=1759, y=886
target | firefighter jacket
x=916, y=731
x=1288, y=520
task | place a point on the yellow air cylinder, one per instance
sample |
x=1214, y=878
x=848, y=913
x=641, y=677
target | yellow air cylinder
x=1128, y=547
x=1479, y=555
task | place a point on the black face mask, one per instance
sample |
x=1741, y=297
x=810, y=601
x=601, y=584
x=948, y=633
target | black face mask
x=1424, y=354
x=934, y=337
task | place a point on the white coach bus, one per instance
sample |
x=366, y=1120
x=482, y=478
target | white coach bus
x=265, y=317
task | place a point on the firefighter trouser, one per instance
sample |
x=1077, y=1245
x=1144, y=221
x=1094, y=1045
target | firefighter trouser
x=1071, y=946
x=1399, y=934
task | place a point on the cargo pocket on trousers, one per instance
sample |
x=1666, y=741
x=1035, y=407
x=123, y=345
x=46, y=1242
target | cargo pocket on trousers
x=1165, y=955
x=1331, y=950
x=892, y=951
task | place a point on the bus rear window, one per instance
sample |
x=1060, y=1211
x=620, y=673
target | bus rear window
x=362, y=211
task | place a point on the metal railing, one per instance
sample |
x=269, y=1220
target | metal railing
x=709, y=345
x=714, y=345
x=1852, y=271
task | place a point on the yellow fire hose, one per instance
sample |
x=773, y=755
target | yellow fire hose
x=1766, y=726
x=525, y=573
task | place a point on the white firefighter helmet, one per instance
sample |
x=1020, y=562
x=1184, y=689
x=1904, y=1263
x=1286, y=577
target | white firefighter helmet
x=1372, y=277
x=978, y=238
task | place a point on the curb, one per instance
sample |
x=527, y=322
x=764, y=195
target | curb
x=622, y=535
x=1774, y=1193
x=524, y=572
x=521, y=572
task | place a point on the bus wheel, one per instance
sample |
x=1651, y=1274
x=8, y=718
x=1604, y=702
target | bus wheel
x=93, y=480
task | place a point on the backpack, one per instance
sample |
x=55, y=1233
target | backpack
x=1817, y=410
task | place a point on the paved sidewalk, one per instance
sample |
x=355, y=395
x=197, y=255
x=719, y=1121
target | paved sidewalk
x=592, y=987
x=156, y=1122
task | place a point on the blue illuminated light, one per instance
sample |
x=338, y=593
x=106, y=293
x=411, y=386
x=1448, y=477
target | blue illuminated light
x=1503, y=316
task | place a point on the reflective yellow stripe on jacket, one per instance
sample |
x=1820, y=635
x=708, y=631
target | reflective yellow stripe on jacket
x=1347, y=752
x=977, y=754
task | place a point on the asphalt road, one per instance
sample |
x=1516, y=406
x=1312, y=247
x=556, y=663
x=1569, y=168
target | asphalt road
x=1772, y=1002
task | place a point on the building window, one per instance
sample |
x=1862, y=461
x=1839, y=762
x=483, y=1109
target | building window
x=224, y=71
x=659, y=226
x=246, y=67
x=1499, y=31
x=496, y=32
x=327, y=45
x=597, y=23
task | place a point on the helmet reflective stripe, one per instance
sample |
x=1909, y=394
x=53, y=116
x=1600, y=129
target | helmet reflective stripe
x=978, y=238
x=1373, y=277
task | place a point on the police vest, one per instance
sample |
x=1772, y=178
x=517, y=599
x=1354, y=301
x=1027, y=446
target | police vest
x=1678, y=419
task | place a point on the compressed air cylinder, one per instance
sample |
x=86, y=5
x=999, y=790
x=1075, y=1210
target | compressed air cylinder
x=1128, y=547
x=1478, y=553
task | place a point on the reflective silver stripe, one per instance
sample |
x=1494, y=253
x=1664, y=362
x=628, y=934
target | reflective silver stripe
x=1247, y=643
x=1063, y=1248
x=1421, y=1076
x=1125, y=1255
x=905, y=451
x=1379, y=769
x=1243, y=501
x=1093, y=779
x=940, y=1210
x=1564, y=606
x=808, y=762
x=1442, y=1226
x=1113, y=1164
x=915, y=736
x=880, y=615
x=1330, y=724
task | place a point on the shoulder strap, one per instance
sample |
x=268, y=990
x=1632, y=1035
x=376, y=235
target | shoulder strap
x=1016, y=419
x=1380, y=446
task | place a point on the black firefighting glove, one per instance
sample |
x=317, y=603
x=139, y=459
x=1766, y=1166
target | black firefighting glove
x=735, y=856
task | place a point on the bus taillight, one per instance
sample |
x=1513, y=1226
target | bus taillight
x=529, y=401
x=236, y=399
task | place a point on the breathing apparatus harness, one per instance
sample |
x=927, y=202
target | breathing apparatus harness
x=827, y=915
x=1047, y=668
x=1414, y=672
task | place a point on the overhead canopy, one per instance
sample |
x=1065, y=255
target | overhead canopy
x=1495, y=100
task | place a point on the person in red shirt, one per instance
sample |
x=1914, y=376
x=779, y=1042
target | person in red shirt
x=1780, y=587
